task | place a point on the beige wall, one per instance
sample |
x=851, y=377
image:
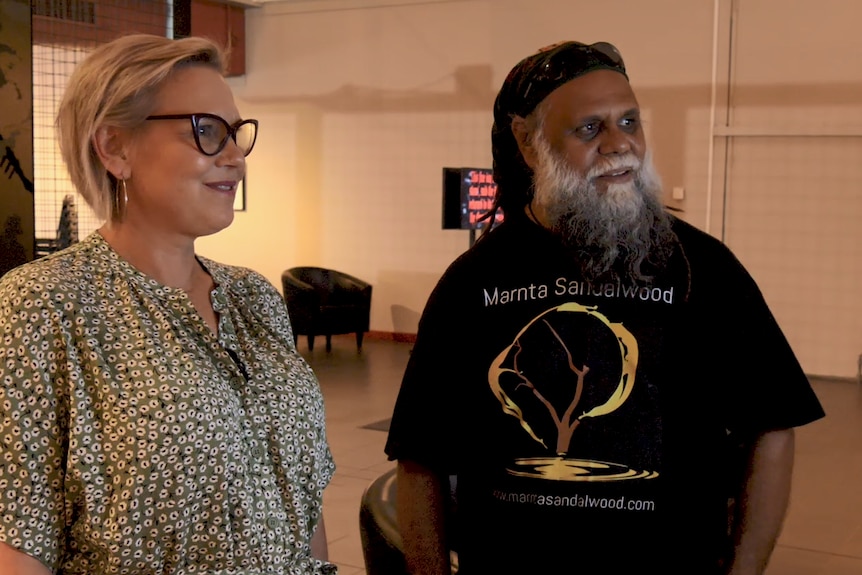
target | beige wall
x=793, y=196
x=362, y=103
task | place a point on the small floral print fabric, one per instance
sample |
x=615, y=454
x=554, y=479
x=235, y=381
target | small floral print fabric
x=133, y=439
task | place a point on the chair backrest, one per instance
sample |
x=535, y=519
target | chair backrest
x=322, y=301
x=333, y=287
x=67, y=227
x=321, y=279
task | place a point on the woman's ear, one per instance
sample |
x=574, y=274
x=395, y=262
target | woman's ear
x=110, y=144
x=524, y=138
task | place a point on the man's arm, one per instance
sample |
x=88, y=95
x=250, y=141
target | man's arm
x=14, y=562
x=763, y=501
x=421, y=508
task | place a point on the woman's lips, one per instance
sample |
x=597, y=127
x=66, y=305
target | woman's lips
x=223, y=187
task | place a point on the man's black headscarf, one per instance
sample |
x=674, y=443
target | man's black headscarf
x=529, y=82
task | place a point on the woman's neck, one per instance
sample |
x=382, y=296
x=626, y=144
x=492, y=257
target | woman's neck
x=169, y=261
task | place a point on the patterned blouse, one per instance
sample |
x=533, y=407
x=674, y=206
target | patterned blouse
x=135, y=440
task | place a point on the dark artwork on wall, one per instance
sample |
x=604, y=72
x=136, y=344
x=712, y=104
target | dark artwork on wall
x=16, y=135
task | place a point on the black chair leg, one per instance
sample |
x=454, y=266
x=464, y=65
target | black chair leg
x=359, y=335
x=310, y=343
x=328, y=342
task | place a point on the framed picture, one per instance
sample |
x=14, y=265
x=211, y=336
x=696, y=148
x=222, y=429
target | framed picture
x=239, y=199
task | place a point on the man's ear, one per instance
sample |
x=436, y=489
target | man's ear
x=524, y=138
x=110, y=144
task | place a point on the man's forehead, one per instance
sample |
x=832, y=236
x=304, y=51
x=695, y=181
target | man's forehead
x=600, y=91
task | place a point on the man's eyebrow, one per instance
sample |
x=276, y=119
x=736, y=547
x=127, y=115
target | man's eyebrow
x=591, y=119
x=635, y=111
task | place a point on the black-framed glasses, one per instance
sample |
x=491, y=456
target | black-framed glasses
x=554, y=65
x=212, y=132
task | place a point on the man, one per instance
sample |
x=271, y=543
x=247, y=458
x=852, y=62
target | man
x=600, y=377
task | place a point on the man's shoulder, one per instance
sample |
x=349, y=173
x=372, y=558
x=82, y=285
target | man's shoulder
x=692, y=235
x=509, y=239
x=701, y=246
x=712, y=263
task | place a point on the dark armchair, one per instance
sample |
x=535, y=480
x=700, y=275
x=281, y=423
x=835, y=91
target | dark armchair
x=326, y=302
x=382, y=546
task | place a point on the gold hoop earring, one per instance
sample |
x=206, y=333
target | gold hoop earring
x=120, y=203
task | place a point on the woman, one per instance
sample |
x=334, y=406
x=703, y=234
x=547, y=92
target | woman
x=155, y=415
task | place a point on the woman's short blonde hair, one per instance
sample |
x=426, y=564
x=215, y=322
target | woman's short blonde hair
x=116, y=85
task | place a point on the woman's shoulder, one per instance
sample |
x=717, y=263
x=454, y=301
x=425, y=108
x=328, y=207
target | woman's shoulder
x=66, y=271
x=236, y=278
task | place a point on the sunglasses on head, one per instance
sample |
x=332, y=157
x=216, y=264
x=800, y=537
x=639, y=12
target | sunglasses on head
x=211, y=132
x=556, y=63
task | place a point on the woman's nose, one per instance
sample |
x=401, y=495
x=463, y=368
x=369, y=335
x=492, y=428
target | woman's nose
x=231, y=154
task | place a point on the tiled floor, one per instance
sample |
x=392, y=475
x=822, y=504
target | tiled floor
x=822, y=534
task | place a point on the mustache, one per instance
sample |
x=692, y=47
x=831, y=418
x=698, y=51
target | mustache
x=627, y=161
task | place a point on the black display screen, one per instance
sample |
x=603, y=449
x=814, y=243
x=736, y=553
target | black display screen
x=468, y=195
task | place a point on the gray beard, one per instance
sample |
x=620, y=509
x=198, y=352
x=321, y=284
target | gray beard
x=622, y=234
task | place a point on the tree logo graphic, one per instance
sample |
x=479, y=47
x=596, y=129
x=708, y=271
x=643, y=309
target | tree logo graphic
x=567, y=366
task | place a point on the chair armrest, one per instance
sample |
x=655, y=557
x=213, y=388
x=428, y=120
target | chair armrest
x=302, y=301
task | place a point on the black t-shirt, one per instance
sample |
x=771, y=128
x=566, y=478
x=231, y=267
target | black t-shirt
x=588, y=424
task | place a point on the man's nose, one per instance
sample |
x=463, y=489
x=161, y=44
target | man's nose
x=615, y=141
